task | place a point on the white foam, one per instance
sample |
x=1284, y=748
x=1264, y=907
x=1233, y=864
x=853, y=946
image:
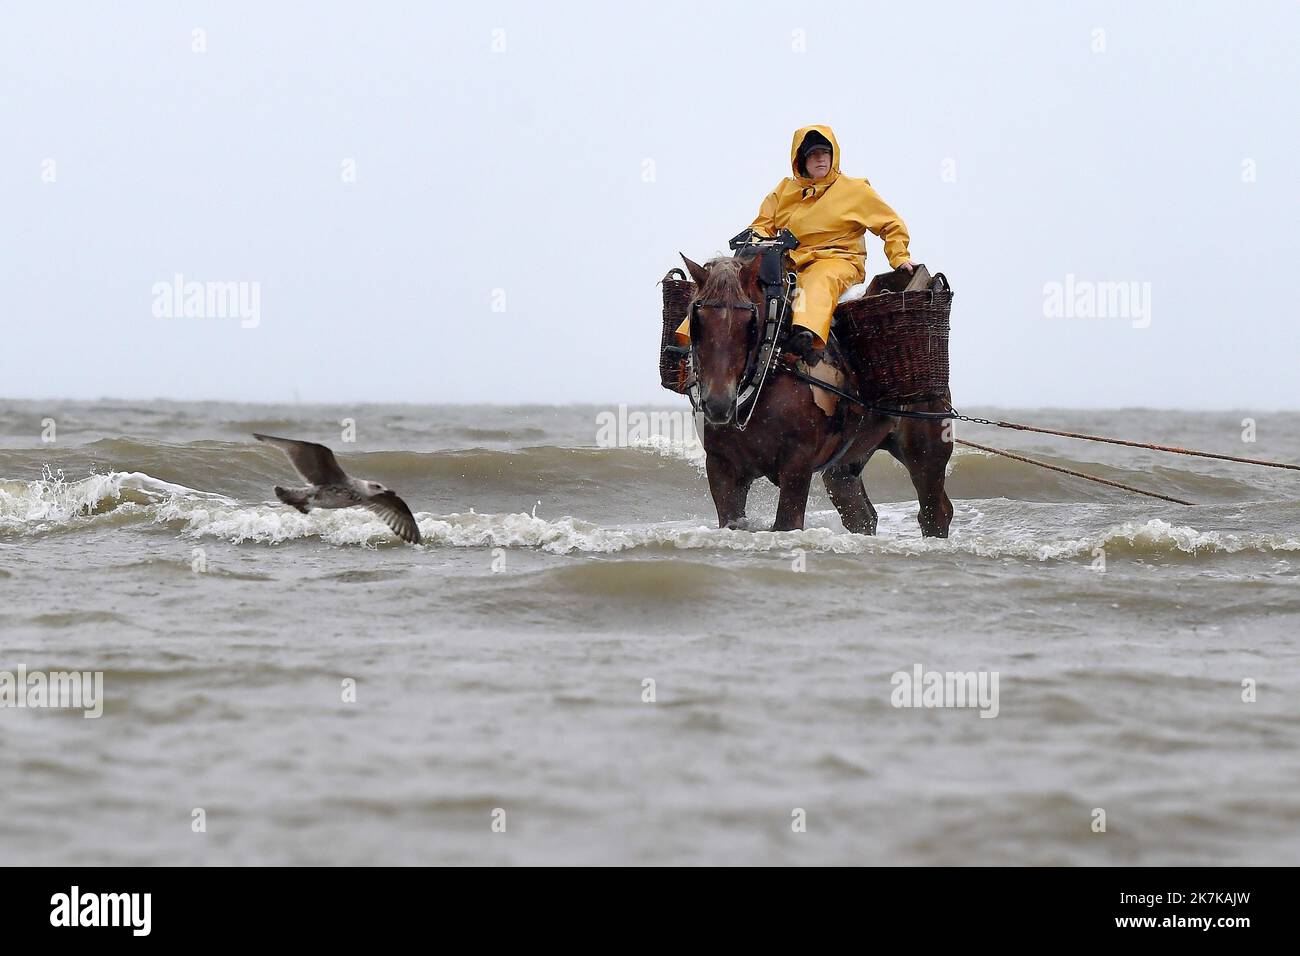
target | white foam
x=898, y=536
x=31, y=506
x=273, y=524
x=53, y=500
x=1162, y=536
x=689, y=451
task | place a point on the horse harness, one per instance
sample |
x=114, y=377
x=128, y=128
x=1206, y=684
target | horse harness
x=763, y=353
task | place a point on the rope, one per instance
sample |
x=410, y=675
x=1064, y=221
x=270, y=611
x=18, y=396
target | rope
x=1131, y=444
x=952, y=413
x=1076, y=474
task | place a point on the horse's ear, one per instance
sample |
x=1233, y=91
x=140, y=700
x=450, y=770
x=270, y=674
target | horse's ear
x=699, y=274
x=749, y=271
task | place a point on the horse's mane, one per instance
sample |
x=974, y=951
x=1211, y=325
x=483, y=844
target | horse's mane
x=724, y=280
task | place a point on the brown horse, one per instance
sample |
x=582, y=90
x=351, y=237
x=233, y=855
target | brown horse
x=788, y=437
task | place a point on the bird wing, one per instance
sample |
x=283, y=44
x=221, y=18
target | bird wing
x=314, y=462
x=396, y=515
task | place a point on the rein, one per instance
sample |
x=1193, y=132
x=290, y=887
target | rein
x=893, y=412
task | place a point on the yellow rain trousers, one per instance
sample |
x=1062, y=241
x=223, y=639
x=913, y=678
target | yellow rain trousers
x=830, y=217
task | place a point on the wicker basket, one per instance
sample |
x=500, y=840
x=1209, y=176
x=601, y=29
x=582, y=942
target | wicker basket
x=678, y=293
x=897, y=341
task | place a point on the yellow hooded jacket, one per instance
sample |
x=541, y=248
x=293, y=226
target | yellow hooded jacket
x=830, y=215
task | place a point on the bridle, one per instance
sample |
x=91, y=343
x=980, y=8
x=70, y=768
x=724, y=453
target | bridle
x=760, y=350
x=751, y=341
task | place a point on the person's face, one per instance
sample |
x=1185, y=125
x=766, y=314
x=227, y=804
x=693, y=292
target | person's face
x=818, y=162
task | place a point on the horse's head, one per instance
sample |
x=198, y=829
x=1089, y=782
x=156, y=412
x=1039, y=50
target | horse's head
x=724, y=330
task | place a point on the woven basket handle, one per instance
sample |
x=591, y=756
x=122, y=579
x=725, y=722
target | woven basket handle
x=679, y=272
x=940, y=277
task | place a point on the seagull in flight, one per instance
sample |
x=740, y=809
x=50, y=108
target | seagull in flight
x=330, y=487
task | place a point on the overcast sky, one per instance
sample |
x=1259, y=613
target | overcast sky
x=473, y=202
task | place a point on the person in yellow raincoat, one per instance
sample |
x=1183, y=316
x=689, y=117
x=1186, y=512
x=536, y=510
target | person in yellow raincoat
x=830, y=214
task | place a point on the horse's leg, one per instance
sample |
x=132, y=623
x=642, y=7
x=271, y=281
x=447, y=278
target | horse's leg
x=920, y=447
x=844, y=481
x=848, y=494
x=730, y=491
x=795, y=479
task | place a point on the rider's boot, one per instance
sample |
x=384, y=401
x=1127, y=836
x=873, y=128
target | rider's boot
x=803, y=343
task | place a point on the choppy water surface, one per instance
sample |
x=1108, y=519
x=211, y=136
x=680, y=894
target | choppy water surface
x=501, y=665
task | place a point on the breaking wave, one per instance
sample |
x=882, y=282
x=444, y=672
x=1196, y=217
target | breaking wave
x=1153, y=537
x=656, y=465
x=53, y=501
x=269, y=523
x=651, y=468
